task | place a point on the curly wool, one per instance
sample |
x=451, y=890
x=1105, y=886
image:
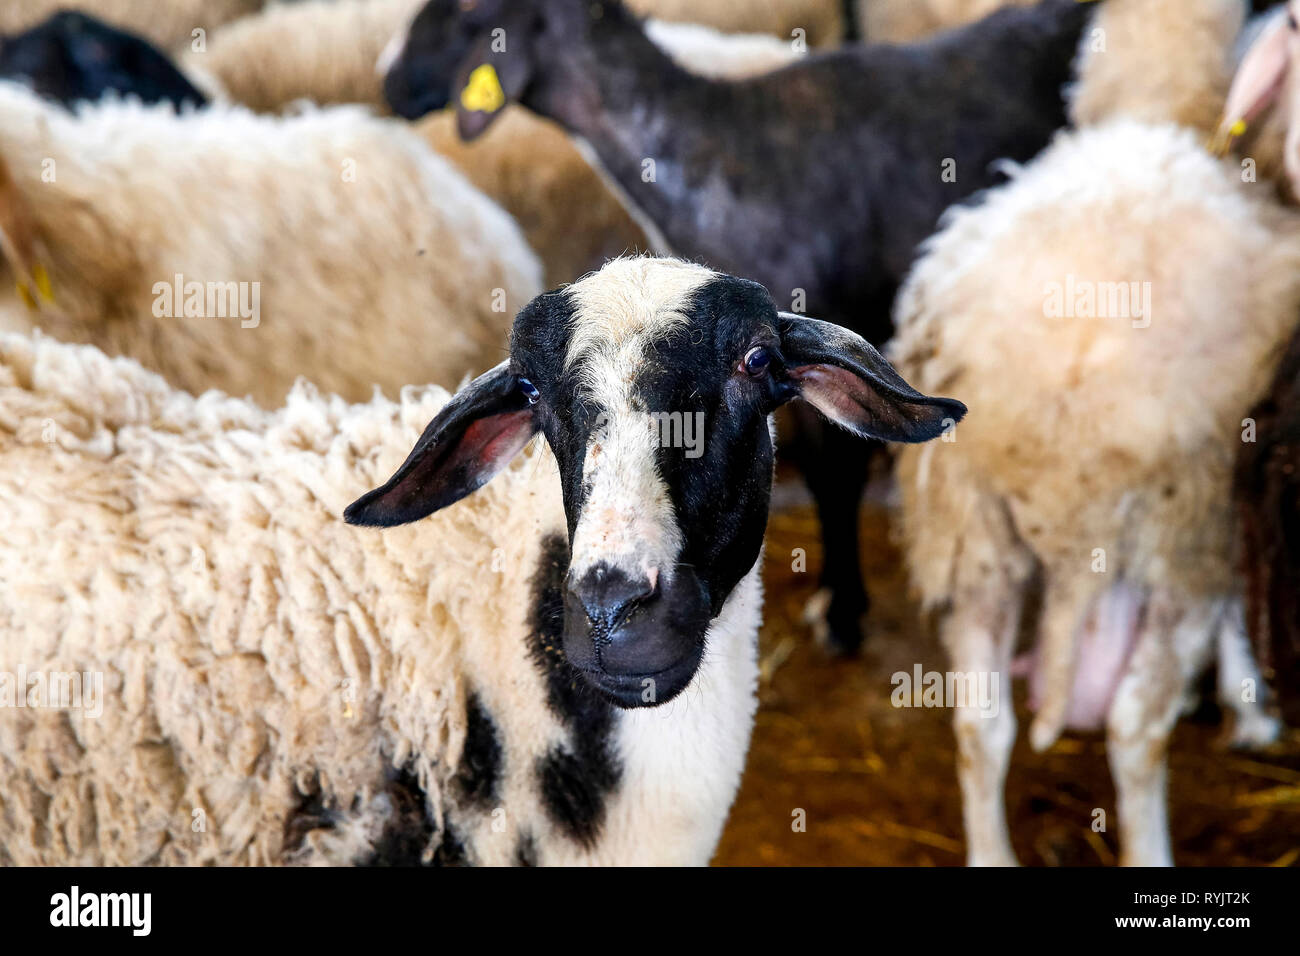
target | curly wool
x=264, y=664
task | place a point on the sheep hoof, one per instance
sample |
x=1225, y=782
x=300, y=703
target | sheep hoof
x=1251, y=731
x=1043, y=734
x=836, y=632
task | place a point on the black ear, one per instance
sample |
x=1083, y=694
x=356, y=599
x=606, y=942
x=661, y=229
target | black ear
x=495, y=72
x=850, y=383
x=470, y=440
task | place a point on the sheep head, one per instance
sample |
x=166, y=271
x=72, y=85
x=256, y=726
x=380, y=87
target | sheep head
x=652, y=382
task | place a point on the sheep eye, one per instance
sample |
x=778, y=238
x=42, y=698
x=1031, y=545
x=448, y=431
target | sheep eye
x=530, y=391
x=757, y=361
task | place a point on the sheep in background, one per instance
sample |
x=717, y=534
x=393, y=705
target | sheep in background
x=326, y=51
x=73, y=57
x=1263, y=108
x=320, y=50
x=907, y=21
x=1099, y=457
x=1162, y=61
x=823, y=21
x=337, y=242
x=819, y=179
x=1269, y=534
x=169, y=23
x=480, y=687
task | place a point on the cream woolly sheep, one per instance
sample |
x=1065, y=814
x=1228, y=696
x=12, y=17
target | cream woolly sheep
x=358, y=243
x=1158, y=61
x=906, y=21
x=821, y=20
x=1098, y=458
x=166, y=22
x=326, y=51
x=451, y=691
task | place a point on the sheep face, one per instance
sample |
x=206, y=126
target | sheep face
x=479, y=55
x=72, y=57
x=652, y=381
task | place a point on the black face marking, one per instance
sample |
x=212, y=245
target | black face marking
x=409, y=831
x=73, y=57
x=526, y=851
x=574, y=785
x=478, y=776
x=312, y=813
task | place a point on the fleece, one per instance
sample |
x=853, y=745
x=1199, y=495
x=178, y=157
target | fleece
x=1102, y=431
x=279, y=687
x=373, y=261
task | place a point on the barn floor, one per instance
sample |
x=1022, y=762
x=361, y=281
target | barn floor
x=878, y=783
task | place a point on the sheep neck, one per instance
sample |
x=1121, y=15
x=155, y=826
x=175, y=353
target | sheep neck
x=640, y=113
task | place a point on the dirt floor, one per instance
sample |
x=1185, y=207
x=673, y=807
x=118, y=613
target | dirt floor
x=878, y=784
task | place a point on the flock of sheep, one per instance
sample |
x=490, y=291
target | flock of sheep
x=241, y=290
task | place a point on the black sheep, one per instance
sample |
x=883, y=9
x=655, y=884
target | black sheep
x=72, y=57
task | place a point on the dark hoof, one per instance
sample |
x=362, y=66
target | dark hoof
x=837, y=628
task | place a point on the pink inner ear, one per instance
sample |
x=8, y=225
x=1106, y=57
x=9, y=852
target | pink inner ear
x=1260, y=77
x=490, y=443
x=837, y=393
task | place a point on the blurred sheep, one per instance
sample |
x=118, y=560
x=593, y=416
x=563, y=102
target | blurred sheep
x=330, y=244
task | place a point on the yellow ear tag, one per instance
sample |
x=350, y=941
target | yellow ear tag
x=483, y=91
x=25, y=294
x=1238, y=129
x=43, y=284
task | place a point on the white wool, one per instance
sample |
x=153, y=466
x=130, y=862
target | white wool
x=257, y=653
x=376, y=262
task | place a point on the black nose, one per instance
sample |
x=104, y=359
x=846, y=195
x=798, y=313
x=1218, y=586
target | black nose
x=610, y=596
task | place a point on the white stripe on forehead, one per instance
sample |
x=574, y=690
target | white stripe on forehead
x=619, y=312
x=630, y=303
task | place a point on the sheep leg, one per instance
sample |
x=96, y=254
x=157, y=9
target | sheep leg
x=980, y=635
x=835, y=466
x=1241, y=687
x=1066, y=598
x=1171, y=649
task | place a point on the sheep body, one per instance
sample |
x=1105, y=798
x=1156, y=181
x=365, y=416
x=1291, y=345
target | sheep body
x=363, y=241
x=821, y=20
x=1157, y=61
x=322, y=694
x=1115, y=444
x=326, y=51
x=907, y=21
x=168, y=23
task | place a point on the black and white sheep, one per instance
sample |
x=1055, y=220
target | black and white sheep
x=819, y=179
x=559, y=669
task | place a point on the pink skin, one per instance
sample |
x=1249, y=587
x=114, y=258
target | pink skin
x=1106, y=638
x=1264, y=80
